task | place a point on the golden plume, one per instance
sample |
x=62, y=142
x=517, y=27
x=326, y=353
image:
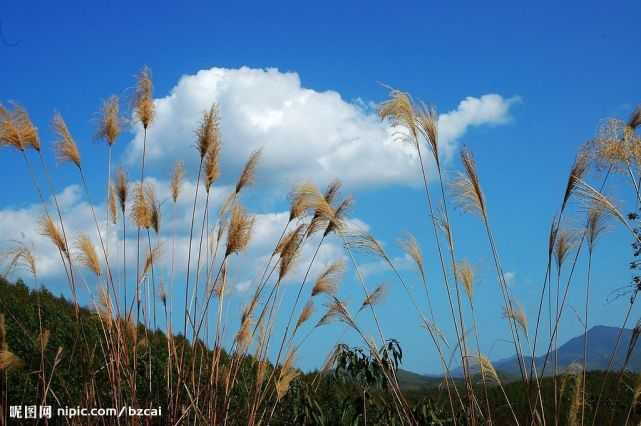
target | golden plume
x=143, y=98
x=66, y=149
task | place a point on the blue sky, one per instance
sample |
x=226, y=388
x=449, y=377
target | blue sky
x=557, y=69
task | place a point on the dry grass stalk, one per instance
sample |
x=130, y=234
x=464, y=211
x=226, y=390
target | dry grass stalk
x=87, y=254
x=21, y=255
x=177, y=180
x=239, y=230
x=110, y=121
x=66, y=148
x=104, y=307
x=327, y=281
x=43, y=339
x=143, y=98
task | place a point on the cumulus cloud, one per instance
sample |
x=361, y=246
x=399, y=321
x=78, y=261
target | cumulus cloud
x=304, y=133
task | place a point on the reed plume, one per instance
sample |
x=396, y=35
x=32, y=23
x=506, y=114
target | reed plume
x=467, y=188
x=208, y=134
x=17, y=130
x=399, y=109
x=564, y=242
x=122, y=189
x=87, y=255
x=305, y=315
x=50, y=230
x=465, y=275
x=248, y=174
x=113, y=209
x=110, y=122
x=427, y=122
x=410, y=246
x=287, y=374
x=143, y=98
x=327, y=281
x=290, y=251
x=177, y=180
x=239, y=230
x=576, y=175
x=66, y=148
x=516, y=313
x=141, y=213
x=374, y=297
x=635, y=118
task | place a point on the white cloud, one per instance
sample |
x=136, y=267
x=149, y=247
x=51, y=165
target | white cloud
x=509, y=277
x=305, y=133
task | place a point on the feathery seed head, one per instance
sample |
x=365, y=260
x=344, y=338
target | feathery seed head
x=177, y=180
x=211, y=165
x=50, y=230
x=113, y=209
x=465, y=276
x=596, y=224
x=290, y=250
x=143, y=98
x=399, y=109
x=121, y=189
x=576, y=174
x=110, y=121
x=410, y=246
x=305, y=314
x=327, y=281
x=516, y=313
x=467, y=186
x=374, y=297
x=635, y=118
x=427, y=122
x=208, y=133
x=66, y=148
x=141, y=210
x=239, y=230
x=248, y=175
x=87, y=254
x=565, y=241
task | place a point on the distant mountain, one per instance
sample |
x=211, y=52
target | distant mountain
x=601, y=341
